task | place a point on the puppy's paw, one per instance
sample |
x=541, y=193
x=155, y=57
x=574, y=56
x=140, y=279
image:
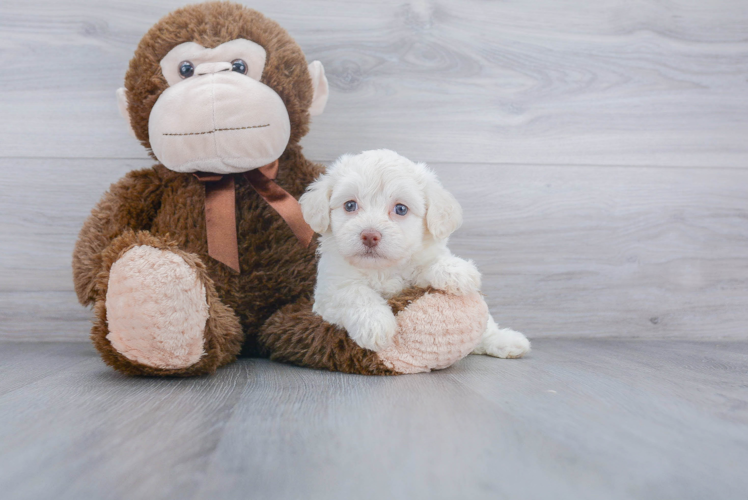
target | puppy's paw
x=374, y=329
x=455, y=276
x=502, y=342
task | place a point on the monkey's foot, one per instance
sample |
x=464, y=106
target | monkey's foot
x=156, y=309
x=435, y=331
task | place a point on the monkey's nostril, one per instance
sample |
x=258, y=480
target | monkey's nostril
x=371, y=238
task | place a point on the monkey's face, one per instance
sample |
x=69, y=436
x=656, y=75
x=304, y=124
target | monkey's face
x=217, y=87
x=216, y=115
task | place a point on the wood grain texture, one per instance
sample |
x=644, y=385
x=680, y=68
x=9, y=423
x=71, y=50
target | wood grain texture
x=574, y=251
x=598, y=150
x=150, y=437
x=43, y=316
x=43, y=204
x=577, y=419
x=615, y=83
x=24, y=363
x=590, y=251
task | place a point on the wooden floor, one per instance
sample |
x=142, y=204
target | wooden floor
x=577, y=419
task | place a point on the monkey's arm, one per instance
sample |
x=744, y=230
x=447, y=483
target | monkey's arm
x=296, y=335
x=435, y=330
x=130, y=204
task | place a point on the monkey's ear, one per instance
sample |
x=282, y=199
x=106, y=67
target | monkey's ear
x=321, y=89
x=315, y=204
x=122, y=105
x=443, y=212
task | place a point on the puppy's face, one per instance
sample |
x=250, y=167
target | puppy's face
x=376, y=216
x=380, y=208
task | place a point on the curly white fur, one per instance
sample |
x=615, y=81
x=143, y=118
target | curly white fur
x=354, y=280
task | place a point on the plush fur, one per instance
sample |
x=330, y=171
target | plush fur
x=461, y=322
x=420, y=312
x=223, y=334
x=143, y=283
x=210, y=25
x=265, y=310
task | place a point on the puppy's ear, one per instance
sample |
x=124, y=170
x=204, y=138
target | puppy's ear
x=315, y=204
x=443, y=211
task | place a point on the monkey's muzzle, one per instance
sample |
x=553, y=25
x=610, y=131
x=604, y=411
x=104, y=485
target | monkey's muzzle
x=218, y=121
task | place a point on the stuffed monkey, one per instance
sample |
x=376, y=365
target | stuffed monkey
x=205, y=255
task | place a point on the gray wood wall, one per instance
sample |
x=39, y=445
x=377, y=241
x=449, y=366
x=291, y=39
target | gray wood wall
x=599, y=149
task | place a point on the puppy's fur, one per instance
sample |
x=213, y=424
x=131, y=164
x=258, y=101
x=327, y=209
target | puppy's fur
x=371, y=248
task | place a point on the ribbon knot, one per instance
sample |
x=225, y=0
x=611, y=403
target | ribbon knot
x=220, y=210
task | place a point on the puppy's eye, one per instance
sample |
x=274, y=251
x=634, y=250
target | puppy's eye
x=239, y=66
x=401, y=209
x=186, y=69
x=350, y=206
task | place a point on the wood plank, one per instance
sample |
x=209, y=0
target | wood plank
x=572, y=251
x=627, y=252
x=619, y=434
x=25, y=363
x=43, y=316
x=577, y=419
x=317, y=435
x=44, y=203
x=87, y=432
x=462, y=81
x=677, y=367
x=621, y=405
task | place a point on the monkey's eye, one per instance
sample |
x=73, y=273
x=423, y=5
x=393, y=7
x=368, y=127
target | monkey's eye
x=239, y=66
x=401, y=209
x=186, y=69
x=350, y=206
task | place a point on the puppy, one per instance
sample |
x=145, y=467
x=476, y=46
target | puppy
x=385, y=222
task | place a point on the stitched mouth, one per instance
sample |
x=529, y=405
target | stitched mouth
x=222, y=130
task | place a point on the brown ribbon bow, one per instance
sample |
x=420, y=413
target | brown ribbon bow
x=220, y=210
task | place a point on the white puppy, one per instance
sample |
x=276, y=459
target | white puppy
x=385, y=222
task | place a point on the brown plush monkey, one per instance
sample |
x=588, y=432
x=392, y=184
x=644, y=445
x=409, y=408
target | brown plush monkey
x=203, y=256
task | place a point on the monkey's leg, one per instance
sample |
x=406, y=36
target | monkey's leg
x=157, y=311
x=434, y=331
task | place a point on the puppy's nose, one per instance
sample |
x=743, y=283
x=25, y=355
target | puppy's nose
x=371, y=238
